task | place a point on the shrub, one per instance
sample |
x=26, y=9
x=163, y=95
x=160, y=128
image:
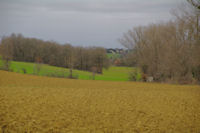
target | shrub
x=24, y=70
x=135, y=75
x=5, y=65
x=196, y=73
x=74, y=76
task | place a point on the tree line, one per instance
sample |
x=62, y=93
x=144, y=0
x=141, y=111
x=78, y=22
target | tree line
x=18, y=48
x=168, y=52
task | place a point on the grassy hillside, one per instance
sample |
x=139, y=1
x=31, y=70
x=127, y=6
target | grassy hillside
x=111, y=74
x=31, y=103
x=113, y=55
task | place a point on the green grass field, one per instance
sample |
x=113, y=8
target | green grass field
x=113, y=55
x=111, y=74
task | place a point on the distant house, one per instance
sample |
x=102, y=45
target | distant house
x=117, y=51
x=111, y=50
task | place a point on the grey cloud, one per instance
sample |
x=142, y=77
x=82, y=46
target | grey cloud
x=112, y=7
x=108, y=6
x=80, y=22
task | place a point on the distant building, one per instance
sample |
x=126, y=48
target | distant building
x=116, y=51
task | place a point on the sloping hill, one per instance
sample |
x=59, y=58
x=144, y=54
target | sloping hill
x=111, y=74
x=31, y=103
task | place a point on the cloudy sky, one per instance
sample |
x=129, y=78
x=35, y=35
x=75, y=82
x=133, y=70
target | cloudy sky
x=81, y=22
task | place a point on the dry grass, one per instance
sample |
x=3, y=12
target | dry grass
x=34, y=104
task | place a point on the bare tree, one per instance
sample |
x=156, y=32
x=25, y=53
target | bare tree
x=94, y=70
x=19, y=48
x=6, y=50
x=167, y=50
x=70, y=58
x=99, y=59
x=195, y=3
x=38, y=66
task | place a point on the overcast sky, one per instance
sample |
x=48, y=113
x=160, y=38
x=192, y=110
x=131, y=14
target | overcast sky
x=81, y=22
